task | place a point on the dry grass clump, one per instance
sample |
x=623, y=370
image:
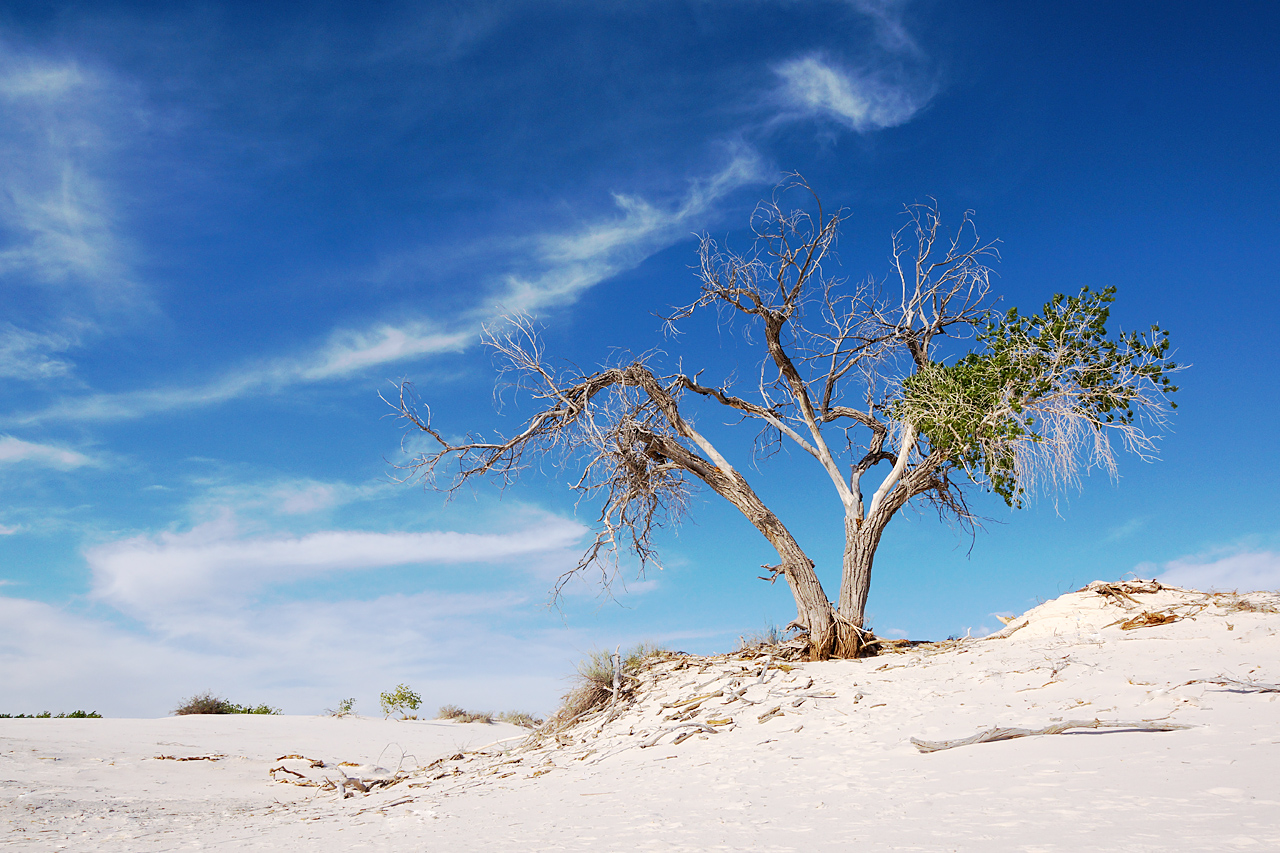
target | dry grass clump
x=770, y=636
x=517, y=718
x=1237, y=603
x=453, y=712
x=595, y=687
x=207, y=703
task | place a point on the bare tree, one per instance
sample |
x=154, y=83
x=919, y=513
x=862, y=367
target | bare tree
x=915, y=378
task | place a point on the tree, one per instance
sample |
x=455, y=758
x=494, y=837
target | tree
x=916, y=373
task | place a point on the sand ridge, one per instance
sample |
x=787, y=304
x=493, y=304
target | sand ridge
x=771, y=754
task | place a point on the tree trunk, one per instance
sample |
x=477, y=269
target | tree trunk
x=861, y=538
x=813, y=610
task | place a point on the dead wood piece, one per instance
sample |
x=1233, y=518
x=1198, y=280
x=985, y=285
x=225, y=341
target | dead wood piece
x=1123, y=591
x=997, y=733
x=775, y=711
x=692, y=700
x=1241, y=685
x=378, y=808
x=653, y=741
x=217, y=757
x=1146, y=619
x=282, y=769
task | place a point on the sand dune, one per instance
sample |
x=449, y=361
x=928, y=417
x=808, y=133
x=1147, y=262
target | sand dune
x=771, y=755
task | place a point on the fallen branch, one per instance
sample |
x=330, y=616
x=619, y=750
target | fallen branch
x=653, y=741
x=1240, y=685
x=997, y=733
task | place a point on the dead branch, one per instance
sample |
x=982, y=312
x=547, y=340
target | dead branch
x=997, y=733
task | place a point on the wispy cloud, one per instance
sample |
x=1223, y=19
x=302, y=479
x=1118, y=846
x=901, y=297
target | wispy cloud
x=563, y=265
x=345, y=354
x=576, y=260
x=295, y=496
x=482, y=650
x=1242, y=570
x=158, y=578
x=15, y=450
x=56, y=127
x=886, y=16
x=816, y=85
x=33, y=356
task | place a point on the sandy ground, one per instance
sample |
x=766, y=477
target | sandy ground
x=830, y=767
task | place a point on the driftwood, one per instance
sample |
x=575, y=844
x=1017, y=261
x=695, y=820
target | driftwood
x=998, y=733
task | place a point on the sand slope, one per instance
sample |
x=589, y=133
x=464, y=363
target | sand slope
x=831, y=767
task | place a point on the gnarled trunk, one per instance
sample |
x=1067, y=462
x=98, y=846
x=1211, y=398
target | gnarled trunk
x=861, y=538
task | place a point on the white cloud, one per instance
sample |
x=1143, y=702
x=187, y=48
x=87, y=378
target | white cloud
x=286, y=497
x=8, y=530
x=478, y=650
x=31, y=355
x=886, y=15
x=1245, y=571
x=814, y=85
x=568, y=263
x=577, y=260
x=159, y=578
x=59, y=228
x=346, y=353
x=15, y=450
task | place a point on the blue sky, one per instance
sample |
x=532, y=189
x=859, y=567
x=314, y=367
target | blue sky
x=225, y=228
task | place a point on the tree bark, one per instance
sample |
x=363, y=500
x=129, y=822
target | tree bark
x=861, y=538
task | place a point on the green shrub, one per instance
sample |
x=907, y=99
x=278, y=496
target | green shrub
x=346, y=708
x=400, y=701
x=74, y=715
x=207, y=703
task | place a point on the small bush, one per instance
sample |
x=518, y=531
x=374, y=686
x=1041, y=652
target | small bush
x=595, y=682
x=453, y=712
x=519, y=718
x=74, y=715
x=346, y=708
x=400, y=701
x=207, y=703
x=770, y=636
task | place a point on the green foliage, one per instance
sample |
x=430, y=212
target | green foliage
x=1033, y=375
x=207, y=703
x=345, y=708
x=402, y=700
x=74, y=715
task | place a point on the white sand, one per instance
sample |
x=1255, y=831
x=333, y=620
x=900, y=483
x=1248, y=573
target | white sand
x=827, y=774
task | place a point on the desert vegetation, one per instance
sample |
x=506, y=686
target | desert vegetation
x=207, y=703
x=516, y=718
x=400, y=701
x=603, y=678
x=74, y=715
